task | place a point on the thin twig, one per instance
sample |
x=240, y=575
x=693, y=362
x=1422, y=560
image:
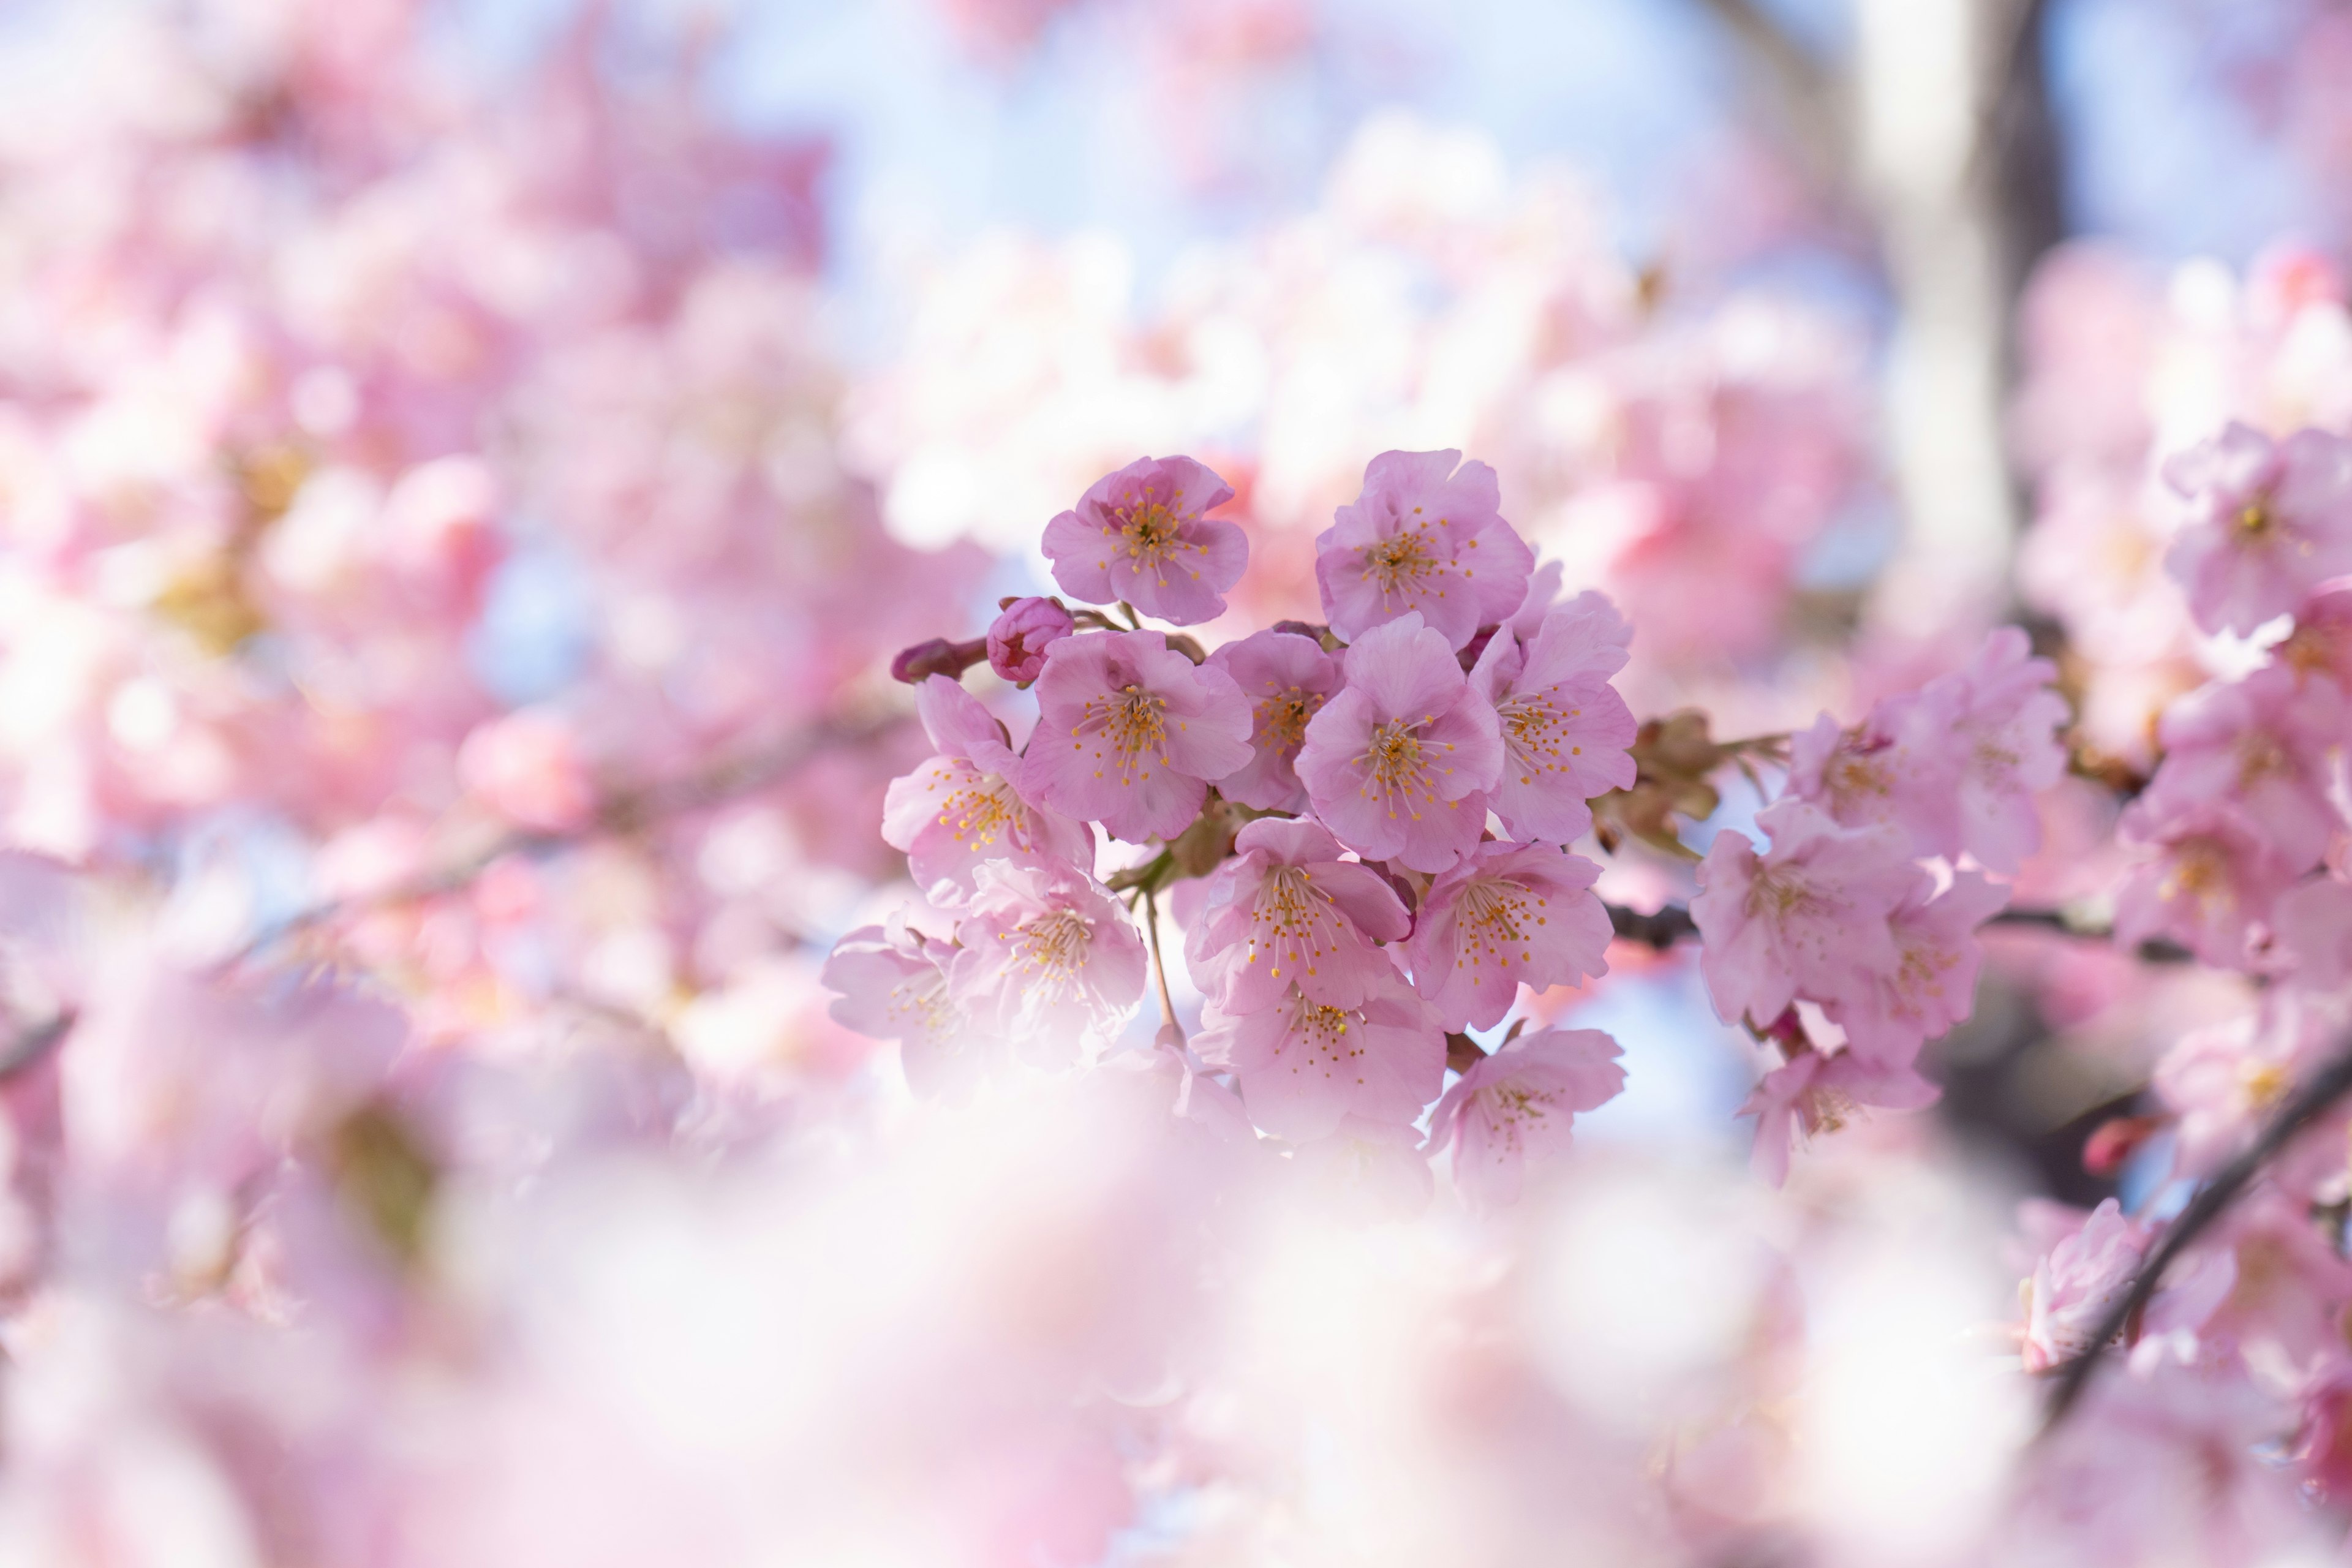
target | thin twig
x=1672, y=923
x=1159, y=970
x=30, y=1046
x=2312, y=1101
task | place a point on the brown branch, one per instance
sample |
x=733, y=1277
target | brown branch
x=1672, y=923
x=2317, y=1095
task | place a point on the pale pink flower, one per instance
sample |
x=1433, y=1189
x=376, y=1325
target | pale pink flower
x=2267, y=745
x=1895, y=768
x=1397, y=762
x=1305, y=1068
x=1933, y=984
x=2321, y=643
x=2313, y=923
x=893, y=986
x=1509, y=914
x=1047, y=959
x=2212, y=879
x=1287, y=911
x=963, y=808
x=1286, y=679
x=2078, y=1283
x=1809, y=916
x=1129, y=732
x=1368, y=1170
x=1520, y=1104
x=1565, y=731
x=1139, y=537
x=1814, y=1093
x=1018, y=636
x=1423, y=536
x=2222, y=1081
x=2269, y=522
x=2003, y=714
x=528, y=767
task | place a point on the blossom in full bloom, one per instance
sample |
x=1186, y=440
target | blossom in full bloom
x=1397, y=763
x=1305, y=1068
x=2269, y=522
x=1814, y=1093
x=2268, y=745
x=1129, y=732
x=2209, y=879
x=1519, y=1103
x=1933, y=984
x=1423, y=537
x=1809, y=916
x=1047, y=959
x=2002, y=715
x=962, y=808
x=1893, y=768
x=1287, y=911
x=2313, y=922
x=1508, y=914
x=892, y=984
x=1286, y=679
x=1018, y=636
x=1565, y=731
x=1139, y=537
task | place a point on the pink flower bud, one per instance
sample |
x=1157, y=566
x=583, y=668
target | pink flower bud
x=1017, y=642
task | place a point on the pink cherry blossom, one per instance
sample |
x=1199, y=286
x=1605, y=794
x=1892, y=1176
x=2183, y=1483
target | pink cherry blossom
x=1397, y=762
x=1129, y=732
x=1018, y=636
x=2208, y=880
x=2267, y=745
x=963, y=808
x=1507, y=915
x=1286, y=679
x=1519, y=1104
x=2321, y=642
x=1422, y=537
x=2004, y=714
x=2077, y=1285
x=2313, y=922
x=2268, y=522
x=2224, y=1080
x=1809, y=916
x=1814, y=1093
x=1305, y=1068
x=1287, y=911
x=1138, y=537
x=1933, y=984
x=527, y=766
x=1893, y=768
x=893, y=986
x=1565, y=730
x=1047, y=959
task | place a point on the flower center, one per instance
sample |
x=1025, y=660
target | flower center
x=1052, y=947
x=2254, y=521
x=1326, y=1033
x=1781, y=895
x=980, y=812
x=1282, y=718
x=1132, y=721
x=1152, y=534
x=1535, y=732
x=1397, y=763
x=1292, y=921
x=1403, y=564
x=1497, y=917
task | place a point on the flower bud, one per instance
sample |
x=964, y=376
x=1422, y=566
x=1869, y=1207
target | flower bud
x=1017, y=642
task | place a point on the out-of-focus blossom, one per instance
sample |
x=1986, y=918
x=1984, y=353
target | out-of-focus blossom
x=2206, y=879
x=1933, y=984
x=1045, y=960
x=528, y=767
x=1305, y=1067
x=2269, y=522
x=2077, y=1283
x=2268, y=747
x=892, y=984
x=1519, y=1104
x=1815, y=1093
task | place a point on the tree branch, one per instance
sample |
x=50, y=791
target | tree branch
x=2317, y=1095
x=1672, y=923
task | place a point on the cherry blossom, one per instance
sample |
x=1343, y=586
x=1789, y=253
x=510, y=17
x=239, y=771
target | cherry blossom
x=2269, y=522
x=1933, y=984
x=2002, y=716
x=1425, y=538
x=961, y=809
x=1397, y=762
x=1286, y=679
x=1285, y=911
x=892, y=984
x=2208, y=881
x=1138, y=536
x=1810, y=917
x=1045, y=959
x=1304, y=1067
x=1815, y=1093
x=1519, y=1104
x=2268, y=747
x=2075, y=1286
x=1565, y=730
x=1507, y=915
x=1129, y=732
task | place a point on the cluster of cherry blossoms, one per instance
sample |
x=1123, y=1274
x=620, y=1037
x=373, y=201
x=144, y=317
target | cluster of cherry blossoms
x=1325, y=793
